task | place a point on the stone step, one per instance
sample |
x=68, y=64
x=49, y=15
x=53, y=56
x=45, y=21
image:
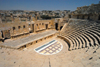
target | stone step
x=96, y=33
x=91, y=40
x=76, y=42
x=69, y=42
x=95, y=37
x=72, y=42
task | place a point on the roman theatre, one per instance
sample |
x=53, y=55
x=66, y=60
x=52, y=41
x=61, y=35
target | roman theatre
x=72, y=41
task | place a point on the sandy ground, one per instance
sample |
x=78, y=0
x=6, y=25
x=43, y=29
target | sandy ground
x=27, y=57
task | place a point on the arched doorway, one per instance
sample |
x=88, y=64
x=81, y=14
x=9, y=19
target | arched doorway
x=83, y=17
x=99, y=17
x=69, y=16
x=56, y=26
x=61, y=27
x=77, y=16
x=46, y=26
x=88, y=17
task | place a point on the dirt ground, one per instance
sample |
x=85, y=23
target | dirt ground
x=27, y=57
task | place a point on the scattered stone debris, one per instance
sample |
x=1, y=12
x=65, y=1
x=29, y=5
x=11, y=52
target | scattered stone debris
x=90, y=58
x=86, y=50
x=94, y=52
x=14, y=62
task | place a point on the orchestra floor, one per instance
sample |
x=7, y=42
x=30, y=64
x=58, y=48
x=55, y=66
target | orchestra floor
x=28, y=57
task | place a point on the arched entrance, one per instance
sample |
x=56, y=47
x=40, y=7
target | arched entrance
x=69, y=16
x=99, y=17
x=77, y=16
x=88, y=17
x=46, y=26
x=61, y=27
x=56, y=26
x=82, y=17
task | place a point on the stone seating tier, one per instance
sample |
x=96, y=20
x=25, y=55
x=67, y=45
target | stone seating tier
x=82, y=34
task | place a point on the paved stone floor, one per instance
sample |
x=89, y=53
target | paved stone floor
x=50, y=48
x=29, y=58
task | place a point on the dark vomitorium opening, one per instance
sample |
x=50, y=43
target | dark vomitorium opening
x=56, y=26
x=99, y=17
x=61, y=27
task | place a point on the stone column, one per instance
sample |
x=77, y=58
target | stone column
x=52, y=24
x=58, y=24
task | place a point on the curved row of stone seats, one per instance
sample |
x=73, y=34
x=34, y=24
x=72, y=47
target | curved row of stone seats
x=77, y=45
x=83, y=34
x=92, y=40
x=77, y=41
x=68, y=28
x=96, y=34
x=80, y=45
x=86, y=41
x=72, y=31
x=69, y=42
x=95, y=37
x=91, y=37
x=83, y=31
x=73, y=42
x=72, y=28
x=82, y=38
x=76, y=28
x=82, y=41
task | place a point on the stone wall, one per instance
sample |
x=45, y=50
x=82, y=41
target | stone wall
x=17, y=27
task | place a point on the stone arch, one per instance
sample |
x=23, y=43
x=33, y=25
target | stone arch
x=88, y=17
x=61, y=27
x=99, y=17
x=46, y=26
x=77, y=16
x=83, y=17
x=69, y=16
x=56, y=26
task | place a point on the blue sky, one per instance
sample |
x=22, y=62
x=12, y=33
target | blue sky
x=44, y=4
